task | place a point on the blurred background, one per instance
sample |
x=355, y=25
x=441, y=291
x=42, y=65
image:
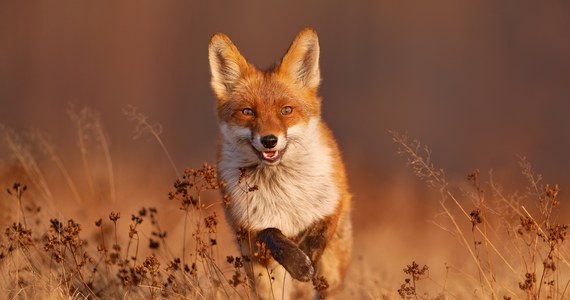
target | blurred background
x=479, y=82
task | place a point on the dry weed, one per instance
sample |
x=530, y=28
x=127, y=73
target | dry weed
x=522, y=256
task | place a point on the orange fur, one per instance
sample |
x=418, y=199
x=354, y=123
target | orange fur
x=273, y=138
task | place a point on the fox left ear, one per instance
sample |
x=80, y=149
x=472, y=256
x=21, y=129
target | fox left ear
x=301, y=62
x=227, y=65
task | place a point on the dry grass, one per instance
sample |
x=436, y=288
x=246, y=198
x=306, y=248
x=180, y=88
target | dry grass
x=52, y=257
x=516, y=243
x=512, y=246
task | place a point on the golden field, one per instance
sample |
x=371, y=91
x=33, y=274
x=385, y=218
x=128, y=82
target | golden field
x=105, y=104
x=77, y=232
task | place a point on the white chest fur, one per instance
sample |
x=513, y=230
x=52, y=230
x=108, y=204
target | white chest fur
x=289, y=196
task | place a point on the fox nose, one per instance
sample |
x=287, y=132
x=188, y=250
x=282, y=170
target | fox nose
x=269, y=141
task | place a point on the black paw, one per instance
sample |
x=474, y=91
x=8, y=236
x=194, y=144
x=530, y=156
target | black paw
x=299, y=265
x=288, y=254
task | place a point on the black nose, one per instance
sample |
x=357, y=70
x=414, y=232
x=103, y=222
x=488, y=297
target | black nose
x=269, y=141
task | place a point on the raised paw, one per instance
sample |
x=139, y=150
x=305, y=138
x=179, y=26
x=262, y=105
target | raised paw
x=288, y=254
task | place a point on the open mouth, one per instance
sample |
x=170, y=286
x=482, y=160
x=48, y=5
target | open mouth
x=270, y=156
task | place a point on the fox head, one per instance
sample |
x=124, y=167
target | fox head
x=262, y=113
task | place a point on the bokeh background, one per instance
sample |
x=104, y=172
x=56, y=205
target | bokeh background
x=479, y=82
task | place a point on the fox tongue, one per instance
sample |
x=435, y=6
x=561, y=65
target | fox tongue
x=269, y=154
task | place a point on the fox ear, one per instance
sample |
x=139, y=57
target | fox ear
x=227, y=65
x=301, y=62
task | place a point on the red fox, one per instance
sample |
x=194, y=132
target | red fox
x=281, y=170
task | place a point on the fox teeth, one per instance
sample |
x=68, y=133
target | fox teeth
x=270, y=154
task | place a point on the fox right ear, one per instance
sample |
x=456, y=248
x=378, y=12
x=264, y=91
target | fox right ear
x=226, y=64
x=301, y=62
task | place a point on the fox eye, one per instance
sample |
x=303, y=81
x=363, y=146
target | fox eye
x=286, y=110
x=248, y=112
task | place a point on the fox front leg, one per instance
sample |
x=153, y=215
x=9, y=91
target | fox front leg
x=288, y=254
x=314, y=240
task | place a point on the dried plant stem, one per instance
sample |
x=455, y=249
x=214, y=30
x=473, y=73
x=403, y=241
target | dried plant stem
x=220, y=276
x=283, y=287
x=98, y=127
x=155, y=130
x=133, y=235
x=562, y=258
x=89, y=122
x=48, y=147
x=184, y=233
x=483, y=234
x=525, y=213
x=565, y=289
x=424, y=169
x=28, y=162
x=17, y=191
x=483, y=208
x=540, y=237
x=270, y=283
x=543, y=273
x=82, y=124
x=104, y=249
x=467, y=245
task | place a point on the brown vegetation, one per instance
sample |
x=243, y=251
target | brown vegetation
x=511, y=246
